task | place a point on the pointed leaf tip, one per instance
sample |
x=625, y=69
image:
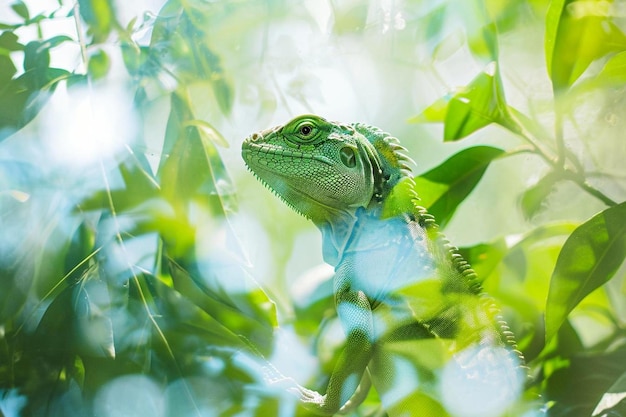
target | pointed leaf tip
x=589, y=258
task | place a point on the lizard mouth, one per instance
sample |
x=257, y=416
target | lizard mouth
x=250, y=156
x=250, y=148
x=273, y=190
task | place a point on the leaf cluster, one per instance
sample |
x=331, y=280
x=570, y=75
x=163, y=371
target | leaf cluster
x=125, y=276
x=584, y=257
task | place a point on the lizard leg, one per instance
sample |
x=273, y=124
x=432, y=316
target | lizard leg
x=359, y=395
x=356, y=316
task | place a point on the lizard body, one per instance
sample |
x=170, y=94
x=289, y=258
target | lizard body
x=416, y=321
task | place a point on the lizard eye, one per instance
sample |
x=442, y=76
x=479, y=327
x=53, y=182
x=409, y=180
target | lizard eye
x=348, y=157
x=306, y=130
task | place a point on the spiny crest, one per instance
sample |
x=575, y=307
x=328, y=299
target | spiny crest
x=440, y=243
x=395, y=164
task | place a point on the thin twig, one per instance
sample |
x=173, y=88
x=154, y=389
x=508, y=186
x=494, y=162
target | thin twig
x=559, y=138
x=81, y=38
x=558, y=163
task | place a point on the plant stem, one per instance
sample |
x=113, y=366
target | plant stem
x=557, y=164
x=558, y=135
x=582, y=183
x=81, y=38
x=513, y=124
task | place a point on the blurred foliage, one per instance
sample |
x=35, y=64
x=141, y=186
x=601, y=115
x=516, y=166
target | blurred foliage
x=125, y=286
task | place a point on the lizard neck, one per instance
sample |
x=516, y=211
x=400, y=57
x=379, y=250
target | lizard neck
x=337, y=233
x=335, y=236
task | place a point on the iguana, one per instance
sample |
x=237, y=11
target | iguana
x=417, y=324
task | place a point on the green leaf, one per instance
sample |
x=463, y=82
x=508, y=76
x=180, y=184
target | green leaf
x=208, y=131
x=54, y=334
x=485, y=257
x=614, y=70
x=436, y=112
x=223, y=92
x=613, y=74
x=577, y=387
x=22, y=98
x=444, y=187
x=350, y=17
x=20, y=8
x=36, y=57
x=533, y=199
x=99, y=64
x=7, y=70
x=139, y=187
x=182, y=313
x=480, y=104
x=588, y=259
x=434, y=23
x=251, y=314
x=184, y=50
x=80, y=247
x=100, y=16
x=473, y=107
x=613, y=402
x=37, y=62
x=55, y=41
x=481, y=31
x=578, y=33
x=468, y=16
x=137, y=60
x=194, y=169
x=93, y=326
x=9, y=42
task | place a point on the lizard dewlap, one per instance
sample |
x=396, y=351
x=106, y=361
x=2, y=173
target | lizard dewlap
x=418, y=326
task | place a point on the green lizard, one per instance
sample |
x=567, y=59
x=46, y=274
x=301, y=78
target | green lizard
x=417, y=325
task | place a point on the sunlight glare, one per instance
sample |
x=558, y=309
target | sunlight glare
x=84, y=126
x=135, y=395
x=482, y=382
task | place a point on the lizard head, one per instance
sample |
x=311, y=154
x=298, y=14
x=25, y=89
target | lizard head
x=323, y=169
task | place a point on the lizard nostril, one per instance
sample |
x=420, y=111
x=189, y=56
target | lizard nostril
x=255, y=137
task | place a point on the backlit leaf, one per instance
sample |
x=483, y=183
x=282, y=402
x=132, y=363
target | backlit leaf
x=613, y=402
x=257, y=324
x=20, y=8
x=182, y=42
x=578, y=33
x=588, y=259
x=193, y=169
x=100, y=16
x=9, y=42
x=481, y=32
x=577, y=388
x=209, y=131
x=350, y=17
x=99, y=64
x=615, y=69
x=93, y=326
x=436, y=112
x=7, y=69
x=613, y=74
x=444, y=187
x=473, y=107
x=485, y=257
x=139, y=187
x=23, y=97
x=533, y=199
x=480, y=104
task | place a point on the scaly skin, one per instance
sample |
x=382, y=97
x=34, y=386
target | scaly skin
x=415, y=319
